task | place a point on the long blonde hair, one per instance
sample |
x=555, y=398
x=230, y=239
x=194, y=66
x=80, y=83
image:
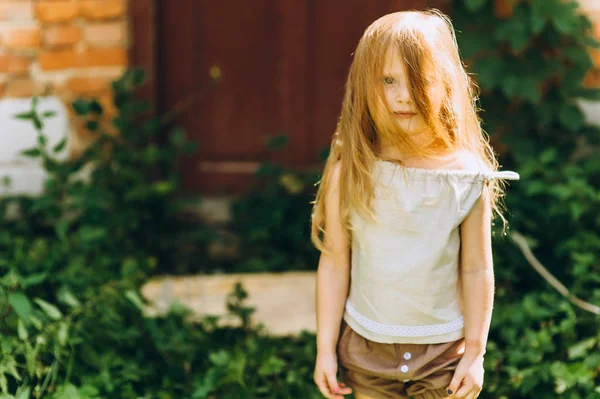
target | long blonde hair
x=425, y=40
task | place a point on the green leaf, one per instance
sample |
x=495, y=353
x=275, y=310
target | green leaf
x=23, y=392
x=95, y=107
x=60, y=146
x=571, y=116
x=63, y=333
x=48, y=308
x=138, y=76
x=22, y=330
x=92, y=125
x=81, y=107
x=29, y=115
x=49, y=114
x=277, y=142
x=6, y=181
x=33, y=279
x=90, y=234
x=135, y=299
x=66, y=296
x=566, y=21
x=272, y=366
x=37, y=122
x=178, y=137
x=578, y=55
x=163, y=187
x=220, y=358
x=587, y=94
x=20, y=303
x=32, y=152
x=41, y=140
x=475, y=5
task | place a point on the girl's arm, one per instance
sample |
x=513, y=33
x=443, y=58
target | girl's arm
x=333, y=275
x=477, y=275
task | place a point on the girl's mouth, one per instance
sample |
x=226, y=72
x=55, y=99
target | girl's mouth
x=404, y=115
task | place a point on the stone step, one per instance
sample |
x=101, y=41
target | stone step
x=284, y=302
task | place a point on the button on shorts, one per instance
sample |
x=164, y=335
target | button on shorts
x=397, y=371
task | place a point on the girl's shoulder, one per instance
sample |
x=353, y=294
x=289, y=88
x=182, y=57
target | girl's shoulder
x=466, y=161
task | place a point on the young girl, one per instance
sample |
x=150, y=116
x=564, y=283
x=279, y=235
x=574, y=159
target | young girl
x=403, y=221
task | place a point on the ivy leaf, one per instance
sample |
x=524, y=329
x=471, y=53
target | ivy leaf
x=135, y=299
x=566, y=21
x=31, y=153
x=22, y=330
x=475, y=5
x=81, y=107
x=92, y=125
x=20, y=303
x=578, y=55
x=220, y=358
x=33, y=279
x=60, y=146
x=95, y=107
x=587, y=93
x=48, y=308
x=27, y=116
x=272, y=366
x=530, y=90
x=570, y=116
x=277, y=142
x=63, y=333
x=23, y=392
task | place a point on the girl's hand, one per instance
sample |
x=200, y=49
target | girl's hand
x=326, y=377
x=468, y=378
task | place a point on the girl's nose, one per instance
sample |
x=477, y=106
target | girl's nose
x=403, y=95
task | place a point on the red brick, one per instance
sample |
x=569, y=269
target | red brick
x=14, y=64
x=22, y=88
x=52, y=60
x=61, y=36
x=57, y=11
x=95, y=10
x=595, y=54
x=592, y=79
x=18, y=38
x=109, y=33
x=87, y=86
x=16, y=10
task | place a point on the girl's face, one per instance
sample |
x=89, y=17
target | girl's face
x=398, y=96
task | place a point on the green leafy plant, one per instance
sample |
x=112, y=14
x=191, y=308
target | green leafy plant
x=272, y=221
x=73, y=258
x=530, y=66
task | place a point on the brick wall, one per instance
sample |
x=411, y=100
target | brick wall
x=592, y=9
x=62, y=48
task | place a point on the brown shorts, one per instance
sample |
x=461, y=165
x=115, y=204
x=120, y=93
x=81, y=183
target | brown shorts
x=397, y=371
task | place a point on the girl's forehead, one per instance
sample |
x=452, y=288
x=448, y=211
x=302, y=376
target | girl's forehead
x=393, y=63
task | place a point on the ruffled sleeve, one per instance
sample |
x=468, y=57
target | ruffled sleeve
x=473, y=191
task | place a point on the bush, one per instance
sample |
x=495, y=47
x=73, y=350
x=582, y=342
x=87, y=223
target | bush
x=73, y=259
x=272, y=221
x=530, y=64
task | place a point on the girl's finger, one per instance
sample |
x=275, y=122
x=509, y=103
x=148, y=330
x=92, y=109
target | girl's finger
x=323, y=386
x=465, y=391
x=333, y=384
x=344, y=389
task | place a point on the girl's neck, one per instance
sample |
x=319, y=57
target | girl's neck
x=417, y=160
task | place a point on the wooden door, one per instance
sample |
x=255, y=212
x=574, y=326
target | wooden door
x=283, y=66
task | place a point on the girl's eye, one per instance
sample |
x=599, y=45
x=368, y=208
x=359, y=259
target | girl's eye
x=388, y=81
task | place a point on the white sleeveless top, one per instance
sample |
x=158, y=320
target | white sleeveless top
x=404, y=275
